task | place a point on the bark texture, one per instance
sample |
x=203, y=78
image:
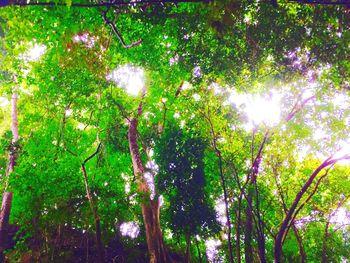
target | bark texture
x=150, y=208
x=7, y=197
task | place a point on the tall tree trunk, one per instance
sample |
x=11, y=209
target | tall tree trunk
x=253, y=193
x=248, y=234
x=188, y=249
x=248, y=249
x=94, y=210
x=150, y=208
x=7, y=197
x=260, y=229
x=223, y=185
x=238, y=229
x=227, y=213
x=261, y=246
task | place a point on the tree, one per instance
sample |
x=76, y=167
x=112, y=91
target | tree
x=182, y=182
x=13, y=154
x=199, y=61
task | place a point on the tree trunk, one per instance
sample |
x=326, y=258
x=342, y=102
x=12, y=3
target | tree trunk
x=150, y=208
x=4, y=220
x=261, y=246
x=7, y=198
x=94, y=210
x=238, y=230
x=290, y=215
x=227, y=213
x=223, y=185
x=300, y=245
x=324, y=258
x=260, y=229
x=188, y=249
x=248, y=249
x=253, y=193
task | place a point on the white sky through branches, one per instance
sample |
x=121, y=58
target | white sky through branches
x=128, y=77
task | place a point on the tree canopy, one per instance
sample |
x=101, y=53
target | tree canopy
x=174, y=131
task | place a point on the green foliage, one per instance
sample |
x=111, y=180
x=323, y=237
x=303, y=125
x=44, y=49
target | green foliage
x=181, y=180
x=66, y=107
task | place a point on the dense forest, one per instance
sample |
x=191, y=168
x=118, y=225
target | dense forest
x=175, y=131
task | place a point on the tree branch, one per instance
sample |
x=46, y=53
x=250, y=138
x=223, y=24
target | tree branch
x=115, y=30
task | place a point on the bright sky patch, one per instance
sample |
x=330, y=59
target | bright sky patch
x=128, y=77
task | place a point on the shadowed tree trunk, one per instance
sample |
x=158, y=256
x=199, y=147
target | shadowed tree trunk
x=228, y=220
x=7, y=197
x=94, y=210
x=150, y=208
x=188, y=249
x=238, y=229
x=248, y=230
x=251, y=195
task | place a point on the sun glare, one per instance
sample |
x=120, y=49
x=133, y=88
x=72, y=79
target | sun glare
x=258, y=109
x=130, y=229
x=212, y=249
x=341, y=217
x=344, y=151
x=34, y=53
x=128, y=77
x=4, y=102
x=220, y=211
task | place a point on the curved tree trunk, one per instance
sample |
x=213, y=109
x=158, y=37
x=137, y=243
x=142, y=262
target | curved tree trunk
x=7, y=197
x=293, y=210
x=150, y=208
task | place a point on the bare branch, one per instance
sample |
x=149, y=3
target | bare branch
x=298, y=107
x=115, y=30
